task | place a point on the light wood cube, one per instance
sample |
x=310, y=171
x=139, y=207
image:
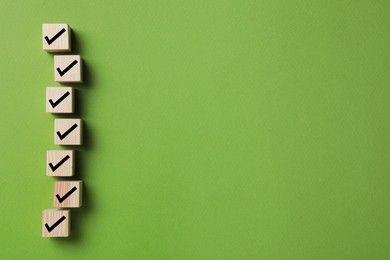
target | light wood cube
x=68, y=131
x=56, y=37
x=59, y=100
x=60, y=163
x=67, y=68
x=56, y=223
x=67, y=194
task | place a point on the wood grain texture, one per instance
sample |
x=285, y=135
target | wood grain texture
x=64, y=63
x=52, y=216
x=60, y=163
x=67, y=194
x=61, y=128
x=59, y=99
x=53, y=40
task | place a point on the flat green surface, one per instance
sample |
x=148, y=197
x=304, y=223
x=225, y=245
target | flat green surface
x=214, y=129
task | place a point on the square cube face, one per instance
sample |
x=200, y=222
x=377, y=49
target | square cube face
x=68, y=131
x=56, y=37
x=67, y=194
x=59, y=100
x=60, y=163
x=55, y=223
x=67, y=68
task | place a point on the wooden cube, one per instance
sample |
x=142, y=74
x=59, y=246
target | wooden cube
x=68, y=131
x=60, y=163
x=67, y=68
x=59, y=100
x=67, y=194
x=56, y=37
x=56, y=223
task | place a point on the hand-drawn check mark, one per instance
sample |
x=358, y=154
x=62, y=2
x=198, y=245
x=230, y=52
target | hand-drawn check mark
x=66, y=195
x=54, y=104
x=62, y=136
x=62, y=72
x=54, y=168
x=55, y=224
x=55, y=37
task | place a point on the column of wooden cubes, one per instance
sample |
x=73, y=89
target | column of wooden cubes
x=60, y=100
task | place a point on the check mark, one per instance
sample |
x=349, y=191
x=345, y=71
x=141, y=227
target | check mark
x=62, y=136
x=55, y=224
x=54, y=168
x=63, y=72
x=55, y=37
x=54, y=104
x=61, y=199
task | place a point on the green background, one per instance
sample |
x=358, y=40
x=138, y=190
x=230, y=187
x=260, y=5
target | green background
x=213, y=129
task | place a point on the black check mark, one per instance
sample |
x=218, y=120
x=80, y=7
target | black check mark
x=50, y=229
x=55, y=37
x=62, y=136
x=54, y=104
x=54, y=168
x=61, y=199
x=62, y=72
